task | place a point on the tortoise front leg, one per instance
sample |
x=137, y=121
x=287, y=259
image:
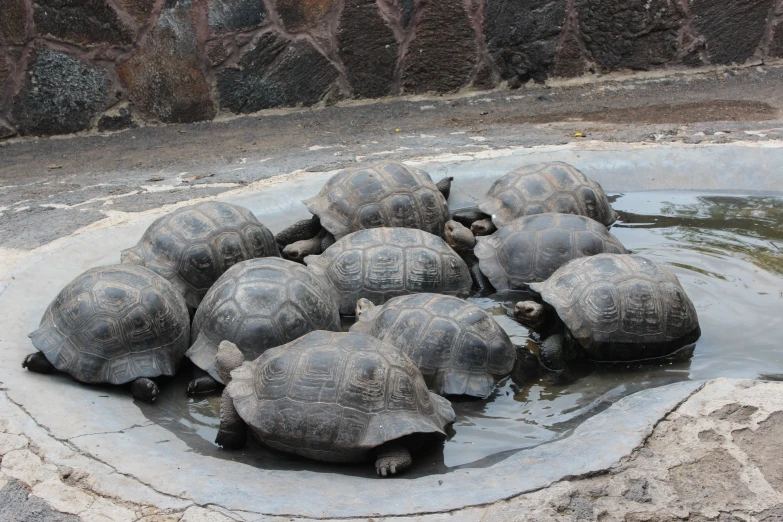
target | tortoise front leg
x=145, y=389
x=305, y=229
x=38, y=363
x=553, y=352
x=203, y=385
x=232, y=434
x=392, y=458
x=481, y=283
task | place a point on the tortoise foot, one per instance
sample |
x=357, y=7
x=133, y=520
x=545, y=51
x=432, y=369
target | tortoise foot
x=203, y=385
x=38, y=363
x=145, y=389
x=231, y=439
x=392, y=461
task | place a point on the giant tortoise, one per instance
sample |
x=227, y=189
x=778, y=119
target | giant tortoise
x=259, y=304
x=337, y=397
x=457, y=346
x=610, y=308
x=538, y=189
x=529, y=249
x=380, y=195
x=194, y=245
x=114, y=324
x=382, y=263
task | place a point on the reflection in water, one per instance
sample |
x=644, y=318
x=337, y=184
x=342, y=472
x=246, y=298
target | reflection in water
x=726, y=250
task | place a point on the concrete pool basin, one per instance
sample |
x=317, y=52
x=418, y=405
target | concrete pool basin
x=105, y=423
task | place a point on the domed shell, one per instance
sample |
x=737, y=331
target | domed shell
x=546, y=187
x=383, y=195
x=531, y=248
x=622, y=308
x=335, y=397
x=382, y=263
x=193, y=246
x=457, y=346
x=257, y=305
x=114, y=324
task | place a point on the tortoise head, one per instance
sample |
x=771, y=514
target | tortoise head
x=130, y=256
x=483, y=227
x=228, y=358
x=364, y=307
x=459, y=237
x=301, y=249
x=530, y=314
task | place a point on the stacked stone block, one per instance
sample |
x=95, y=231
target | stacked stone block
x=71, y=65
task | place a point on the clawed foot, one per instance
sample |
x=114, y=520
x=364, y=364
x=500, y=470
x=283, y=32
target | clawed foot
x=392, y=462
x=145, y=389
x=234, y=439
x=37, y=362
x=202, y=385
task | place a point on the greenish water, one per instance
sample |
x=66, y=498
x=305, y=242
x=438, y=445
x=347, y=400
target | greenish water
x=727, y=251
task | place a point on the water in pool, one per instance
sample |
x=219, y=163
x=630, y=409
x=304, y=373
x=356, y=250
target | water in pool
x=727, y=251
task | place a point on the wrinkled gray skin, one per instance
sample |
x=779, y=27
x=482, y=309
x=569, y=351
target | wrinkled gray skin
x=307, y=237
x=142, y=388
x=462, y=241
x=391, y=458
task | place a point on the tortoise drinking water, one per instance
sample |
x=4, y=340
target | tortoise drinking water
x=457, y=346
x=194, y=245
x=529, y=249
x=114, y=324
x=259, y=304
x=382, y=263
x=538, y=189
x=610, y=308
x=381, y=195
x=336, y=397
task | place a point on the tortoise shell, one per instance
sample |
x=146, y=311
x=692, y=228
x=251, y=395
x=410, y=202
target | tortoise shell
x=259, y=304
x=193, y=246
x=335, y=397
x=621, y=308
x=457, y=346
x=546, y=187
x=531, y=248
x=115, y=324
x=384, y=195
x=382, y=263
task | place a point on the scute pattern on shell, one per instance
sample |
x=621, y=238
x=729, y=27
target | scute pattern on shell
x=530, y=249
x=193, y=246
x=382, y=263
x=335, y=396
x=457, y=346
x=622, y=308
x=383, y=195
x=259, y=304
x=546, y=187
x=114, y=324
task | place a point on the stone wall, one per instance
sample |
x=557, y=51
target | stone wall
x=72, y=65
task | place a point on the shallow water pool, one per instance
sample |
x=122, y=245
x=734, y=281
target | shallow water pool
x=727, y=251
